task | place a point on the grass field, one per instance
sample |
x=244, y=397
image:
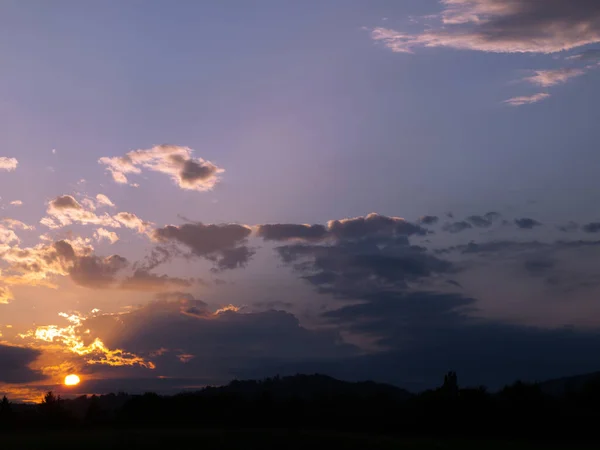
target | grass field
x=247, y=440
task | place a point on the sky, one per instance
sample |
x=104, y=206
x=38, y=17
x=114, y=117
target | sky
x=196, y=192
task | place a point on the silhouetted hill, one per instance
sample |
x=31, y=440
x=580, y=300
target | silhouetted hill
x=570, y=385
x=308, y=387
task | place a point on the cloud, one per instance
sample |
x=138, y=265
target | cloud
x=569, y=227
x=193, y=342
x=222, y=244
x=373, y=225
x=6, y=295
x=547, y=78
x=8, y=164
x=14, y=224
x=16, y=203
x=187, y=172
x=15, y=362
x=65, y=210
x=538, y=266
x=429, y=220
x=8, y=236
x=479, y=221
x=77, y=345
x=592, y=54
x=353, y=268
x=33, y=264
x=188, y=327
x=504, y=26
x=96, y=272
x=103, y=200
x=457, y=227
x=102, y=233
x=492, y=216
x=527, y=99
x=428, y=332
x=142, y=280
x=73, y=258
x=287, y=232
x=356, y=228
x=132, y=221
x=526, y=223
x=593, y=227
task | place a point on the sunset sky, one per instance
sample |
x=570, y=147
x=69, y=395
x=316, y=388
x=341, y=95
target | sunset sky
x=193, y=192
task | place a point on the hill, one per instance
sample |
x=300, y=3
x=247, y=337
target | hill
x=569, y=385
x=307, y=387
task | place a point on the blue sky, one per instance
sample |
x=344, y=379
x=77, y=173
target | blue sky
x=300, y=113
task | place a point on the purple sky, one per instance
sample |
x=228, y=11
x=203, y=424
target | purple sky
x=162, y=167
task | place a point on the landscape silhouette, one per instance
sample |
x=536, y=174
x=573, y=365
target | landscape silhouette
x=318, y=406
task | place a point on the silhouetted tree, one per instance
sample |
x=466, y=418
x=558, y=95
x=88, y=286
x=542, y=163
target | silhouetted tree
x=6, y=413
x=450, y=386
x=52, y=411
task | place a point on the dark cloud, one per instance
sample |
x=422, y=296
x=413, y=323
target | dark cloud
x=217, y=345
x=593, y=227
x=429, y=333
x=429, y=220
x=357, y=228
x=349, y=268
x=373, y=225
x=158, y=255
x=492, y=216
x=233, y=258
x=499, y=246
x=457, y=227
x=571, y=226
x=479, y=221
x=222, y=244
x=526, y=223
x=538, y=266
x=142, y=280
x=454, y=283
x=65, y=202
x=273, y=304
x=286, y=232
x=96, y=272
x=15, y=362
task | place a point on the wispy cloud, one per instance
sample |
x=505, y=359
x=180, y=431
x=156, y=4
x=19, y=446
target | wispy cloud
x=592, y=54
x=547, y=78
x=504, y=26
x=527, y=99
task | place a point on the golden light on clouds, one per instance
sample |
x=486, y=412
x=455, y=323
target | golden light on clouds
x=69, y=338
x=227, y=308
x=72, y=380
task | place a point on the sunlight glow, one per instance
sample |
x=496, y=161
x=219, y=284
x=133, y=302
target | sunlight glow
x=72, y=380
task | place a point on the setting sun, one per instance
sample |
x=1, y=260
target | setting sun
x=72, y=380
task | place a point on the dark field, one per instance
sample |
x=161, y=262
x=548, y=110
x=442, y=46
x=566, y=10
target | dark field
x=248, y=439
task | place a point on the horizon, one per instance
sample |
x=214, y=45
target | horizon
x=374, y=191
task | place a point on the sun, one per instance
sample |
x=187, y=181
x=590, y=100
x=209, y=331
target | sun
x=72, y=380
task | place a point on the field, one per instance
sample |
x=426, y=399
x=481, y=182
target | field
x=247, y=440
